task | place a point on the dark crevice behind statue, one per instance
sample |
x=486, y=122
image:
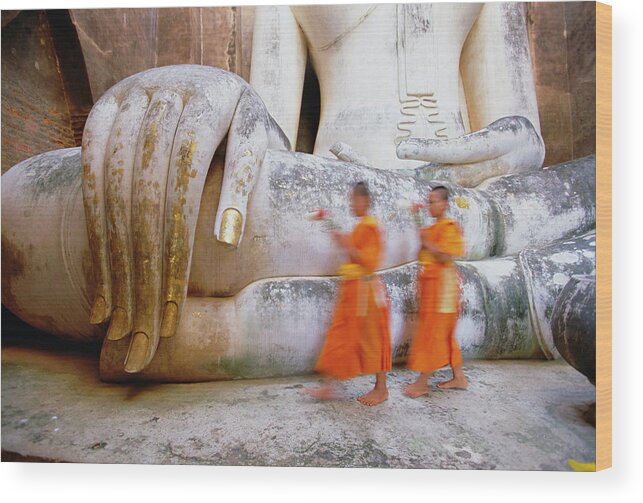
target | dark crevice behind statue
x=72, y=69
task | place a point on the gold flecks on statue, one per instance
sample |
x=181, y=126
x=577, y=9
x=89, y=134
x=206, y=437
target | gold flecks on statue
x=170, y=319
x=135, y=361
x=99, y=311
x=462, y=202
x=119, y=326
x=231, y=222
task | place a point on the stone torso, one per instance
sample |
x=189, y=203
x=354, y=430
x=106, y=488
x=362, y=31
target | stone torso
x=387, y=72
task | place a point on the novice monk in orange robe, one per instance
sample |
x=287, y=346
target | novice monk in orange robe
x=358, y=340
x=434, y=344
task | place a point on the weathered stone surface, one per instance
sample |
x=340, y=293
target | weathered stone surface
x=547, y=271
x=540, y=207
x=494, y=318
x=574, y=325
x=498, y=219
x=516, y=415
x=276, y=326
x=46, y=274
x=508, y=302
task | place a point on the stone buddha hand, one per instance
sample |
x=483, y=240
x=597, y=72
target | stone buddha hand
x=147, y=147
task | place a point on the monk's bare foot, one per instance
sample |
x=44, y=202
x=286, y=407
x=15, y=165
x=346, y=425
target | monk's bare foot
x=455, y=383
x=417, y=389
x=373, y=397
x=321, y=393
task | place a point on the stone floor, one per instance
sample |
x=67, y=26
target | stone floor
x=517, y=415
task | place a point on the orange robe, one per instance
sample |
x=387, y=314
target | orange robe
x=434, y=345
x=358, y=340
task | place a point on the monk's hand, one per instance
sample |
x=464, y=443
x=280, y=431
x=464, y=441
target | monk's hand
x=507, y=146
x=147, y=147
x=430, y=246
x=434, y=249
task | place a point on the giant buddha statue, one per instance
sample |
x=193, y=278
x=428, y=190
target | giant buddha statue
x=179, y=235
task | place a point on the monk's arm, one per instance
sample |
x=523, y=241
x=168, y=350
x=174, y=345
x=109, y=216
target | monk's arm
x=367, y=252
x=451, y=244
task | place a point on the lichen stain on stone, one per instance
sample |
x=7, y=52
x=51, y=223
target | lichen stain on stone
x=116, y=175
x=515, y=38
x=52, y=175
x=237, y=367
x=504, y=310
x=280, y=294
x=418, y=21
x=250, y=114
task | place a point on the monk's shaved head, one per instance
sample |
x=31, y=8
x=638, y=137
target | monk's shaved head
x=441, y=191
x=361, y=189
x=360, y=199
x=438, y=201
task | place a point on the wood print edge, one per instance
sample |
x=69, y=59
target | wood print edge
x=604, y=236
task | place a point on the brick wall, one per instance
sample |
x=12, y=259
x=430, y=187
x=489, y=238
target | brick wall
x=563, y=47
x=35, y=115
x=117, y=43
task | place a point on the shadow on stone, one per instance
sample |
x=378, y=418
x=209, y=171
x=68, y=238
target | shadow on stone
x=573, y=324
